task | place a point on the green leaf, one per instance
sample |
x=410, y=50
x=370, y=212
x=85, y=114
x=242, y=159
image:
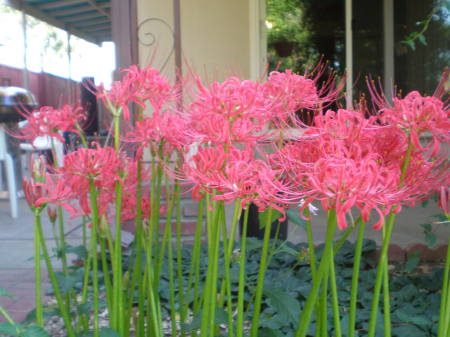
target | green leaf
x=407, y=330
x=283, y=303
x=35, y=331
x=262, y=216
x=6, y=293
x=9, y=329
x=430, y=239
x=268, y=332
x=108, y=332
x=422, y=39
x=412, y=262
x=294, y=217
x=79, y=251
x=426, y=227
x=221, y=317
x=410, y=44
x=66, y=282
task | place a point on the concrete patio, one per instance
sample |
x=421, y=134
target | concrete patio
x=16, y=257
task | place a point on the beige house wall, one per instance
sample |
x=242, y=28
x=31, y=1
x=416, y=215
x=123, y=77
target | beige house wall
x=218, y=38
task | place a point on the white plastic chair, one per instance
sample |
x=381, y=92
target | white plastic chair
x=8, y=161
x=44, y=144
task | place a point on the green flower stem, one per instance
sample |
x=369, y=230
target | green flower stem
x=8, y=317
x=82, y=136
x=152, y=297
x=84, y=231
x=165, y=240
x=154, y=216
x=306, y=314
x=105, y=268
x=208, y=312
x=386, y=300
x=194, y=273
x=118, y=300
x=379, y=276
x=355, y=280
x=323, y=306
x=311, y=249
x=261, y=274
x=181, y=291
x=228, y=247
x=51, y=273
x=37, y=268
x=215, y=271
x=241, y=291
x=348, y=231
x=335, y=301
x=168, y=237
x=228, y=251
x=62, y=240
x=444, y=311
x=312, y=260
x=137, y=267
x=95, y=224
x=384, y=250
x=84, y=291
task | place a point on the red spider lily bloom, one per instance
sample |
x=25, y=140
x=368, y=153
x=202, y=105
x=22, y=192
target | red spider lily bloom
x=203, y=168
x=51, y=122
x=287, y=93
x=168, y=128
x=53, y=190
x=444, y=200
x=51, y=213
x=341, y=184
x=233, y=175
x=230, y=112
x=416, y=114
x=138, y=86
x=423, y=177
x=103, y=165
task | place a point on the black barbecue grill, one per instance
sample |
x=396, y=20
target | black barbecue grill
x=13, y=100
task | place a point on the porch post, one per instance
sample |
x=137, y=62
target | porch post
x=349, y=53
x=124, y=32
x=26, y=81
x=388, y=42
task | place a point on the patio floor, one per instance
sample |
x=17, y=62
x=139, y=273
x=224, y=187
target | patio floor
x=16, y=257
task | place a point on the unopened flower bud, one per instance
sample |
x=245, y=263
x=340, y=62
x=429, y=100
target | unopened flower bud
x=51, y=212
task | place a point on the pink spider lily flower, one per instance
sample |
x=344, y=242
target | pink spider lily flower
x=340, y=184
x=103, y=165
x=172, y=129
x=288, y=93
x=228, y=112
x=444, y=200
x=51, y=122
x=235, y=175
x=416, y=115
x=52, y=191
x=137, y=86
x=423, y=177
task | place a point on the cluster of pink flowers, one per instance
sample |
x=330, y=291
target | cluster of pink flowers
x=48, y=121
x=344, y=160
x=138, y=86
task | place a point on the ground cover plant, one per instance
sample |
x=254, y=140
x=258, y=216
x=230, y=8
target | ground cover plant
x=358, y=163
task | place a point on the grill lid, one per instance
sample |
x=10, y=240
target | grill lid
x=13, y=100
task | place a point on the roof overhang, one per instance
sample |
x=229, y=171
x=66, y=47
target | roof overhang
x=87, y=19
